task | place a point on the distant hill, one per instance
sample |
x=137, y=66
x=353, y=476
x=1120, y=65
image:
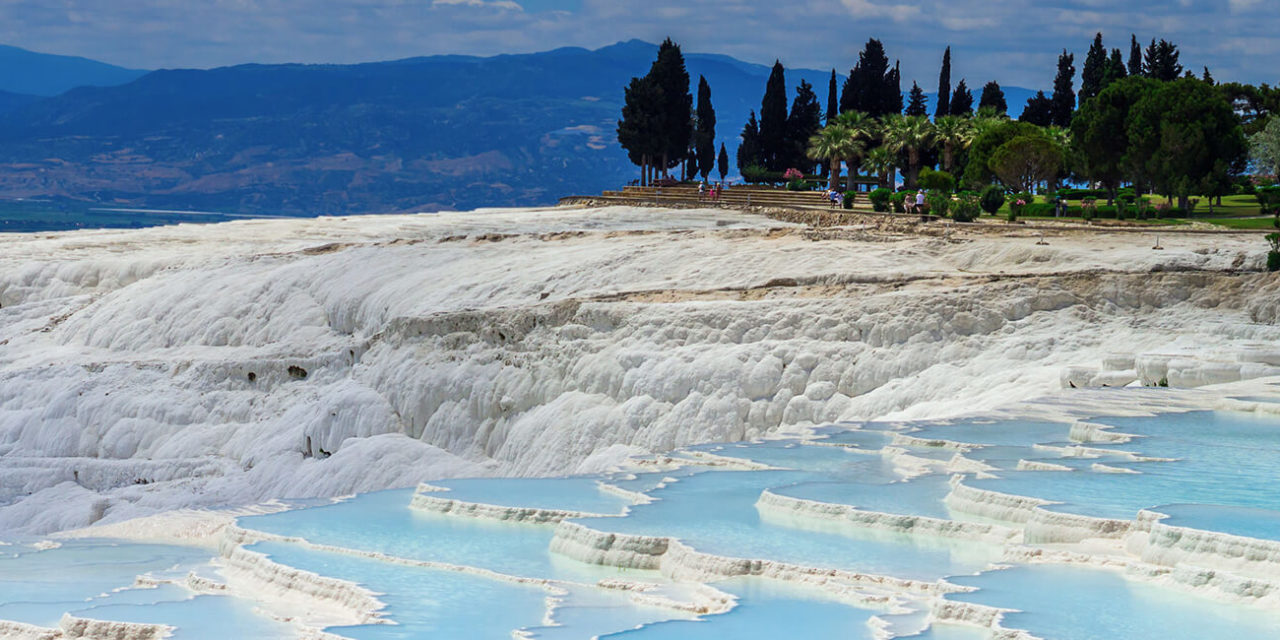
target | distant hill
x=445, y=132
x=44, y=74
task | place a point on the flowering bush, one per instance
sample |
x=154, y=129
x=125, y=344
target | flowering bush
x=1089, y=208
x=1162, y=209
x=792, y=174
x=1015, y=208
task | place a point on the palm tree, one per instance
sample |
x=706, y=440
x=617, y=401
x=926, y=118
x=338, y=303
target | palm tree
x=880, y=161
x=911, y=134
x=955, y=133
x=832, y=144
x=863, y=129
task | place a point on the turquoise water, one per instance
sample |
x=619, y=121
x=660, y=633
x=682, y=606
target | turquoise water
x=1051, y=599
x=423, y=602
x=569, y=494
x=1222, y=476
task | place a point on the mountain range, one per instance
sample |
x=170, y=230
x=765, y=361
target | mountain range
x=430, y=133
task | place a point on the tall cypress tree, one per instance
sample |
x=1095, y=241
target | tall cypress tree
x=1207, y=77
x=1135, y=56
x=961, y=101
x=892, y=92
x=1064, y=95
x=833, y=100
x=722, y=162
x=993, y=97
x=803, y=122
x=773, y=120
x=749, y=152
x=917, y=103
x=669, y=73
x=1095, y=67
x=705, y=136
x=944, y=86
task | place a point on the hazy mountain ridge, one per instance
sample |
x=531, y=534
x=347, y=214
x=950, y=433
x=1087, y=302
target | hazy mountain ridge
x=446, y=132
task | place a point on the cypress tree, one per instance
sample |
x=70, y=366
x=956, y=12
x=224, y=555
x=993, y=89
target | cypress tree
x=944, y=86
x=669, y=73
x=1161, y=61
x=1135, y=56
x=640, y=129
x=993, y=97
x=723, y=162
x=749, y=152
x=872, y=87
x=1115, y=70
x=1039, y=110
x=705, y=135
x=892, y=93
x=1095, y=68
x=1207, y=77
x=773, y=120
x=833, y=101
x=802, y=124
x=917, y=103
x=1064, y=95
x=961, y=100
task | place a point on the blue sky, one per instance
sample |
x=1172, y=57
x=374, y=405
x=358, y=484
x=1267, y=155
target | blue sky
x=1012, y=41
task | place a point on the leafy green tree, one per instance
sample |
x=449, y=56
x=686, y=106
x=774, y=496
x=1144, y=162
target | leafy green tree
x=1264, y=147
x=962, y=101
x=1026, y=161
x=1039, y=110
x=993, y=98
x=953, y=133
x=944, y=86
x=991, y=136
x=1100, y=134
x=992, y=199
x=723, y=162
x=1095, y=68
x=910, y=135
x=704, y=137
x=1161, y=61
x=773, y=121
x=917, y=103
x=803, y=122
x=1064, y=96
x=1135, y=57
x=1186, y=138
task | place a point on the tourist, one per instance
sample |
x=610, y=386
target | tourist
x=702, y=189
x=919, y=208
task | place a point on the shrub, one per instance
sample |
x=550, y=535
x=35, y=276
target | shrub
x=849, y=197
x=1273, y=257
x=793, y=175
x=1042, y=209
x=1088, y=208
x=966, y=206
x=796, y=185
x=992, y=199
x=755, y=175
x=1269, y=199
x=1018, y=205
x=931, y=180
x=880, y=199
x=899, y=200
x=1081, y=194
x=939, y=203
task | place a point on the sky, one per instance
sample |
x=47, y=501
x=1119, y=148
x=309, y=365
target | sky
x=1015, y=42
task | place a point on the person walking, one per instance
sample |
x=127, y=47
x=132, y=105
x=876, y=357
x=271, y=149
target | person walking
x=919, y=201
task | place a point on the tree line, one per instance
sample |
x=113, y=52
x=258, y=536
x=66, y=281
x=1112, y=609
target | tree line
x=1143, y=120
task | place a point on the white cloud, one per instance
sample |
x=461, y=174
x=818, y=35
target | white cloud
x=506, y=5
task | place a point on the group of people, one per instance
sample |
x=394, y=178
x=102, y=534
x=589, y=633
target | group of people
x=835, y=198
x=711, y=193
x=918, y=205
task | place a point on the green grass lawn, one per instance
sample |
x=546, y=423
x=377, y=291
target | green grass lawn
x=1235, y=212
x=1244, y=223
